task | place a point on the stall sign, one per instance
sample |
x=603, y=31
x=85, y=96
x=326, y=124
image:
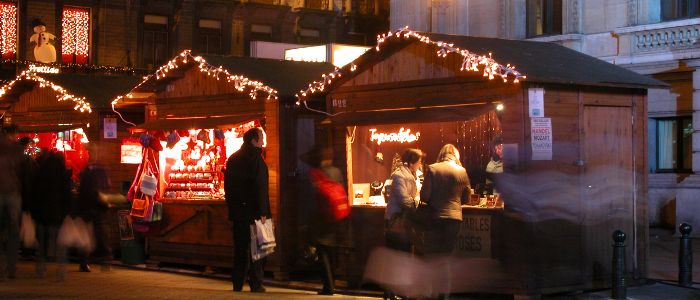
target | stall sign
x=110, y=127
x=403, y=136
x=536, y=102
x=131, y=152
x=474, y=238
x=44, y=69
x=541, y=133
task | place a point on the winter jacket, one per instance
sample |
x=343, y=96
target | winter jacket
x=445, y=188
x=246, y=185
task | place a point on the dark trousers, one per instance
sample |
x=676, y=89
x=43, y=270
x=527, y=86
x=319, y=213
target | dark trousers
x=444, y=234
x=101, y=234
x=242, y=262
x=326, y=269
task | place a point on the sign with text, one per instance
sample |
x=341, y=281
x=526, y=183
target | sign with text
x=131, y=152
x=541, y=138
x=536, y=102
x=474, y=238
x=110, y=127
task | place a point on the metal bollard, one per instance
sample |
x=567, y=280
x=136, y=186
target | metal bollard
x=685, y=256
x=619, y=284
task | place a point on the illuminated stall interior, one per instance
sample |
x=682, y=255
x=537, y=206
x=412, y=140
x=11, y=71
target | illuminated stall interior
x=191, y=162
x=375, y=151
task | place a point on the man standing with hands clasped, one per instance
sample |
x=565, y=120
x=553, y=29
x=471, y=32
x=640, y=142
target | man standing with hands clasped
x=247, y=196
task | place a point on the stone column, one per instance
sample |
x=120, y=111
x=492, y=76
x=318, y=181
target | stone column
x=688, y=193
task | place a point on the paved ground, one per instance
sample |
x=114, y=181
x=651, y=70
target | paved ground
x=129, y=283
x=122, y=283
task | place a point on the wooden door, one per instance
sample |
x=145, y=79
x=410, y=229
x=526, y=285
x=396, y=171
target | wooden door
x=608, y=185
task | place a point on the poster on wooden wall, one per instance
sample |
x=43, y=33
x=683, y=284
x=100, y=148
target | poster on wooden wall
x=536, y=102
x=541, y=133
x=110, y=127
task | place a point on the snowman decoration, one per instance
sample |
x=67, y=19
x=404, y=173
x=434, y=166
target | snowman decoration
x=43, y=51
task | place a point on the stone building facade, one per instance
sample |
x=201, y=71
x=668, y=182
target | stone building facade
x=658, y=38
x=147, y=33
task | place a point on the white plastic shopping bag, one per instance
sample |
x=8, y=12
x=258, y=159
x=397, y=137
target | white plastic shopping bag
x=27, y=231
x=76, y=233
x=256, y=252
x=265, y=234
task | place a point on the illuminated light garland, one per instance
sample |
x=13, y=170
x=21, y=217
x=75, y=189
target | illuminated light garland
x=76, y=28
x=80, y=102
x=8, y=27
x=470, y=62
x=240, y=82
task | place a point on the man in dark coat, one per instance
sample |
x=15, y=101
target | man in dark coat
x=10, y=202
x=247, y=196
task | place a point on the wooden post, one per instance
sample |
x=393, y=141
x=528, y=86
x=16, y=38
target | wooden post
x=619, y=284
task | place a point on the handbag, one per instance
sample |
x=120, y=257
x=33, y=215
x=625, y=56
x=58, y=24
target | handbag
x=397, y=224
x=139, y=208
x=148, y=185
x=256, y=252
x=265, y=234
x=27, y=232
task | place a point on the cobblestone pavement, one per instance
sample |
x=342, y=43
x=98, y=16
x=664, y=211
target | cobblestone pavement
x=121, y=283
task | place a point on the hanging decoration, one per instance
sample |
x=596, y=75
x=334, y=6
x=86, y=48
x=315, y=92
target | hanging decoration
x=43, y=50
x=241, y=83
x=470, y=62
x=75, y=35
x=8, y=29
x=62, y=94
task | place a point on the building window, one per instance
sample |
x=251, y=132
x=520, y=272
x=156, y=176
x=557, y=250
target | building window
x=679, y=9
x=8, y=30
x=155, y=41
x=209, y=36
x=260, y=32
x=75, y=35
x=544, y=17
x=674, y=144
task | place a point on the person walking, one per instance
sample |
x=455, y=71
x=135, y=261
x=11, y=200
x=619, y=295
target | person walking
x=247, y=196
x=93, y=180
x=323, y=225
x=52, y=200
x=10, y=202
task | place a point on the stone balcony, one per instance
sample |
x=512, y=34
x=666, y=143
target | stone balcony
x=666, y=41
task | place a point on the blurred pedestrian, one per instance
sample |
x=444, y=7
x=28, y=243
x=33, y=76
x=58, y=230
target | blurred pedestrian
x=28, y=168
x=92, y=208
x=327, y=182
x=10, y=202
x=52, y=201
x=247, y=195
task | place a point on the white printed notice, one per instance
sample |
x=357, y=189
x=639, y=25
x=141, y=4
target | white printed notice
x=541, y=132
x=536, y=102
x=110, y=127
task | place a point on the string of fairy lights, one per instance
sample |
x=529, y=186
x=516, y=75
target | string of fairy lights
x=240, y=83
x=8, y=27
x=76, y=28
x=470, y=62
x=62, y=94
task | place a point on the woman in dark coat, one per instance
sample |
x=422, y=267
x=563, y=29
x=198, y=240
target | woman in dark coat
x=52, y=198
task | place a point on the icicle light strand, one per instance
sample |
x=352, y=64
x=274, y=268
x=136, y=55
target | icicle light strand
x=80, y=102
x=470, y=62
x=241, y=83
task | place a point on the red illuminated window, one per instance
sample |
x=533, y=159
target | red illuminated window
x=8, y=30
x=75, y=42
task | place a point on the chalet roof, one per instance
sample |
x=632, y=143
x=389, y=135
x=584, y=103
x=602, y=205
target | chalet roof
x=287, y=77
x=550, y=63
x=98, y=90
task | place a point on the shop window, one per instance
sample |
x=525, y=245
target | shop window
x=544, y=17
x=317, y=4
x=210, y=36
x=674, y=144
x=8, y=33
x=679, y=9
x=155, y=46
x=75, y=35
x=310, y=36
